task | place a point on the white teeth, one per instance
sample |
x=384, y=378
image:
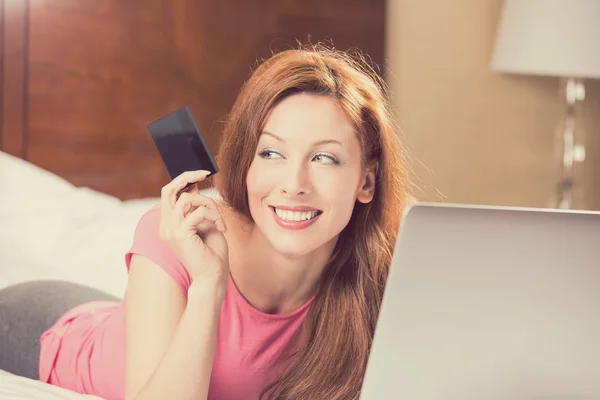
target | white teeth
x=294, y=215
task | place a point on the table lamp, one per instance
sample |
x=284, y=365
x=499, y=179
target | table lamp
x=553, y=38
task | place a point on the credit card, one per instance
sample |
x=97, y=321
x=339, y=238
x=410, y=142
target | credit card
x=181, y=144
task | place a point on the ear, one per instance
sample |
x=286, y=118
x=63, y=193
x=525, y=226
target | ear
x=367, y=189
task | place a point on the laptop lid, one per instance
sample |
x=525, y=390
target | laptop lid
x=490, y=303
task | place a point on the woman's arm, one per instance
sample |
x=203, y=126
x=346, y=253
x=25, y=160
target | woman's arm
x=170, y=342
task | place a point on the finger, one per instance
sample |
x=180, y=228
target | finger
x=193, y=189
x=204, y=214
x=170, y=191
x=188, y=202
x=189, y=177
x=183, y=205
x=185, y=182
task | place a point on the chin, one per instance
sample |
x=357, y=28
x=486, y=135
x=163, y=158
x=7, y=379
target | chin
x=291, y=247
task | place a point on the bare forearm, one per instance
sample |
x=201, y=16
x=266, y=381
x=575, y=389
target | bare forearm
x=184, y=372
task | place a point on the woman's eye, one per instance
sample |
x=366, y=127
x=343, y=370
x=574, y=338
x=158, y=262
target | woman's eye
x=326, y=159
x=321, y=158
x=268, y=154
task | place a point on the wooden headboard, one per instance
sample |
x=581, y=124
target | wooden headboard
x=81, y=79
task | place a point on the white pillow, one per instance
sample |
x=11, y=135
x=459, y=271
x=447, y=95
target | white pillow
x=50, y=229
x=22, y=175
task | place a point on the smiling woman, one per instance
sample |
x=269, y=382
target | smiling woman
x=273, y=289
x=325, y=145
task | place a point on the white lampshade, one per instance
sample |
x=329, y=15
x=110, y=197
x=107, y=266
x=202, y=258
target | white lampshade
x=549, y=37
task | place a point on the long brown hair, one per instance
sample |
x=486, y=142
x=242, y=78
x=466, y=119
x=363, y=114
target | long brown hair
x=332, y=347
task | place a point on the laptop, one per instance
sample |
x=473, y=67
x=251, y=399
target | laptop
x=490, y=303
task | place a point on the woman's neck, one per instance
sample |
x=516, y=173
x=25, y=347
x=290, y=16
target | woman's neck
x=273, y=282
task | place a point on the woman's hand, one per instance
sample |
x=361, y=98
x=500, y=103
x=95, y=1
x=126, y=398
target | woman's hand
x=192, y=226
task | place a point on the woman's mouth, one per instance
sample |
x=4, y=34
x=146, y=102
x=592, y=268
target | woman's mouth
x=295, y=218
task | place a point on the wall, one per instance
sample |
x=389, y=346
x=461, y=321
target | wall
x=476, y=136
x=81, y=80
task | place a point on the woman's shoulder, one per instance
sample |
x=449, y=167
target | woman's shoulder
x=150, y=217
x=148, y=244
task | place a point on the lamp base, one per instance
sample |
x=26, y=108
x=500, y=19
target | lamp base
x=572, y=152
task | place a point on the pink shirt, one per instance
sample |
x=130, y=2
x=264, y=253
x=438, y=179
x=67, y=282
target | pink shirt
x=85, y=349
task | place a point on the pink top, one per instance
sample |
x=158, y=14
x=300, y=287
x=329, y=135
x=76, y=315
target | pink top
x=85, y=349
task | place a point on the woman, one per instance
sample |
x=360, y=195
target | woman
x=272, y=290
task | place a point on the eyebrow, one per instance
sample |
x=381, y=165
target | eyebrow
x=318, y=143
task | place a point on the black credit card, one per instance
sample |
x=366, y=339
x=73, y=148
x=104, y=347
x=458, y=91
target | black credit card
x=181, y=144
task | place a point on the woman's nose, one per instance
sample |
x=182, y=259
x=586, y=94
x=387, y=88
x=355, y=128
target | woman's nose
x=296, y=181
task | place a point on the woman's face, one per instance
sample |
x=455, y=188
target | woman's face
x=306, y=174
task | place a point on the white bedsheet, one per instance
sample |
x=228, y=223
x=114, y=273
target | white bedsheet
x=13, y=387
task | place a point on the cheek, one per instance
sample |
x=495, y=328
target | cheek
x=259, y=183
x=341, y=196
x=252, y=183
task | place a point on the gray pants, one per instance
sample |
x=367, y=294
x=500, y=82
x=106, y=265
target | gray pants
x=27, y=310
